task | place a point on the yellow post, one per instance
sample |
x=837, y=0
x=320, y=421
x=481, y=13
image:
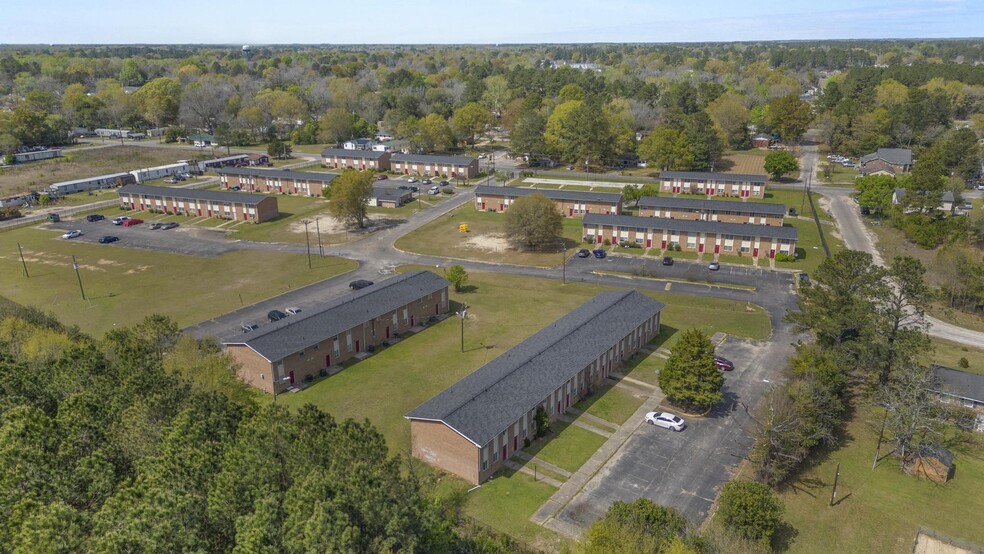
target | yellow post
x=463, y=228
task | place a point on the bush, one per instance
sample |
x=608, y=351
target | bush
x=542, y=421
x=785, y=258
x=607, y=242
x=630, y=245
x=750, y=509
x=963, y=363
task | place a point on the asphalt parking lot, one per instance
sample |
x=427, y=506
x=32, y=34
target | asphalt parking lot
x=687, y=469
x=193, y=241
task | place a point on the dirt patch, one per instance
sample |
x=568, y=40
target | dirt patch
x=329, y=224
x=748, y=164
x=928, y=544
x=488, y=243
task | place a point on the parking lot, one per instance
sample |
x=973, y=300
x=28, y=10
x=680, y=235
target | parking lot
x=686, y=469
x=194, y=241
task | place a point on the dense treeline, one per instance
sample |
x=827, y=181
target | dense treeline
x=145, y=442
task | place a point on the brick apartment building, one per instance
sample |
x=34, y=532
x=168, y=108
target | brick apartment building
x=209, y=203
x=306, y=183
x=703, y=237
x=472, y=427
x=434, y=166
x=341, y=158
x=570, y=203
x=712, y=184
x=725, y=211
x=323, y=337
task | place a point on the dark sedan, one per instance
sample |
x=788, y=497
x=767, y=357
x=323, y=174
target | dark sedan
x=108, y=239
x=583, y=253
x=360, y=284
x=276, y=315
x=667, y=260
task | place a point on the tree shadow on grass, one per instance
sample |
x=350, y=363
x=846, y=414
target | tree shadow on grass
x=724, y=165
x=466, y=289
x=784, y=537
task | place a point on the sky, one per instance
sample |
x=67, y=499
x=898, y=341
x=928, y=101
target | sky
x=487, y=22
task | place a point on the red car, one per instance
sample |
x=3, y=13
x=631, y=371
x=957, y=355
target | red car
x=132, y=222
x=381, y=177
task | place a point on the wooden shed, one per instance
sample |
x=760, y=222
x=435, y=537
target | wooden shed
x=932, y=461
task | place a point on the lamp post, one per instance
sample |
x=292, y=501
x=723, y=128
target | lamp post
x=307, y=240
x=463, y=314
x=278, y=381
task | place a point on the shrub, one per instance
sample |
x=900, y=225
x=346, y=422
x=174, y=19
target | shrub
x=607, y=242
x=785, y=258
x=542, y=421
x=751, y=509
x=963, y=363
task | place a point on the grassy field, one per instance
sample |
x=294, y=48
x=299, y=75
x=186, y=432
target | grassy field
x=85, y=163
x=878, y=510
x=566, y=446
x=124, y=285
x=485, y=239
x=841, y=175
x=748, y=162
x=611, y=403
x=809, y=246
x=506, y=503
x=948, y=354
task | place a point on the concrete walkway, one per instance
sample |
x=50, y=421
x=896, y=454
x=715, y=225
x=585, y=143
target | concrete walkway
x=629, y=388
x=545, y=465
x=634, y=382
x=546, y=514
x=583, y=425
x=539, y=476
x=593, y=419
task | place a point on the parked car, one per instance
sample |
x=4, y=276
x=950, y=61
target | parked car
x=72, y=234
x=967, y=206
x=155, y=226
x=293, y=310
x=131, y=222
x=169, y=225
x=403, y=187
x=94, y=217
x=412, y=180
x=413, y=188
x=119, y=220
x=666, y=420
x=381, y=177
x=434, y=190
x=360, y=284
x=714, y=266
x=583, y=253
x=108, y=239
x=599, y=253
x=667, y=260
x=426, y=182
x=249, y=326
x=723, y=364
x=237, y=187
x=276, y=315
x=179, y=177
x=445, y=184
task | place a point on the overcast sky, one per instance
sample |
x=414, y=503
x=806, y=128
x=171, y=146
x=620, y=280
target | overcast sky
x=488, y=22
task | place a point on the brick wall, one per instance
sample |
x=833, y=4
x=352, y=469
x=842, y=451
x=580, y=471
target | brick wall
x=440, y=446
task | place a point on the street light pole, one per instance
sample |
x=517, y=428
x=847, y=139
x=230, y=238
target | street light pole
x=307, y=240
x=75, y=264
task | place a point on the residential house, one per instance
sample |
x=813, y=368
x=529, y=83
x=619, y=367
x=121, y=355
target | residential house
x=712, y=184
x=729, y=239
x=571, y=203
x=307, y=183
x=947, y=202
x=389, y=195
x=963, y=388
x=899, y=158
x=202, y=140
x=761, y=140
x=358, y=144
x=340, y=158
x=258, y=159
x=878, y=167
x=23, y=157
x=255, y=208
x=434, y=166
x=475, y=425
x=700, y=209
x=235, y=160
x=323, y=337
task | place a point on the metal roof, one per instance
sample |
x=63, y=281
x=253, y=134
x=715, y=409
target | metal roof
x=486, y=402
x=716, y=227
x=894, y=156
x=960, y=383
x=427, y=158
x=279, y=173
x=293, y=334
x=711, y=205
x=698, y=176
x=90, y=179
x=553, y=194
x=343, y=153
x=196, y=194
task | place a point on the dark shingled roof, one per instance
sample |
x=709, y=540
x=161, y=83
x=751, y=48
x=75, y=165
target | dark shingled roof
x=700, y=176
x=343, y=153
x=383, y=191
x=716, y=227
x=553, y=194
x=281, y=173
x=497, y=394
x=960, y=383
x=708, y=205
x=894, y=156
x=195, y=194
x=425, y=158
x=293, y=334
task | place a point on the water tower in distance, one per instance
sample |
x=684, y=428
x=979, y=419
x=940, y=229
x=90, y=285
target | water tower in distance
x=247, y=53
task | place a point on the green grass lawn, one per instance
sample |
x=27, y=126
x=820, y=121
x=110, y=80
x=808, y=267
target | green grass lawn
x=809, y=247
x=504, y=310
x=485, y=239
x=611, y=403
x=645, y=368
x=879, y=510
x=566, y=445
x=840, y=176
x=286, y=227
x=506, y=504
x=124, y=285
x=948, y=354
x=80, y=198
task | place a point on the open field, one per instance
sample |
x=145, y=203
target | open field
x=485, y=239
x=948, y=354
x=748, y=162
x=809, y=246
x=124, y=285
x=879, y=510
x=85, y=163
x=840, y=176
x=506, y=503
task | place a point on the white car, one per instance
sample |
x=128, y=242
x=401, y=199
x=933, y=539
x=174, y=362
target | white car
x=434, y=190
x=72, y=234
x=412, y=180
x=119, y=220
x=666, y=420
x=293, y=310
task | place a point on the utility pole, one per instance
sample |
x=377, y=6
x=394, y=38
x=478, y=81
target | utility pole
x=563, y=262
x=833, y=493
x=75, y=265
x=463, y=313
x=23, y=263
x=317, y=224
x=307, y=240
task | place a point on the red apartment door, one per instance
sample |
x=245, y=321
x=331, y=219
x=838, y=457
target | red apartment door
x=700, y=248
x=357, y=347
x=199, y=211
x=515, y=443
x=387, y=331
x=328, y=360
x=717, y=248
x=570, y=211
x=290, y=376
x=663, y=243
x=483, y=206
x=504, y=450
x=649, y=243
x=600, y=239
x=411, y=320
x=755, y=252
x=772, y=253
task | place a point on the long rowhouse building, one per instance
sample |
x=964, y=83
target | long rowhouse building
x=712, y=184
x=702, y=209
x=570, y=203
x=255, y=208
x=434, y=166
x=472, y=427
x=324, y=337
x=305, y=183
x=342, y=158
x=703, y=237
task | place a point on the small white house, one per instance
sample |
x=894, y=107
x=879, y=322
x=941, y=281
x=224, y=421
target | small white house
x=358, y=144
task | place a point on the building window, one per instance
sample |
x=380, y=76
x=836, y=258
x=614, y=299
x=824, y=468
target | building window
x=485, y=465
